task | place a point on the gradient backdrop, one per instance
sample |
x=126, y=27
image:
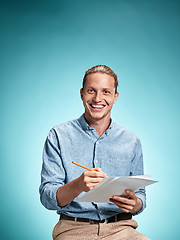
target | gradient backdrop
x=46, y=46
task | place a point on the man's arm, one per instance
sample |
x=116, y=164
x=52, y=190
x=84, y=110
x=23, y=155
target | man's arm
x=135, y=202
x=89, y=179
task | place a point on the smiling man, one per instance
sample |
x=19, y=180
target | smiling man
x=95, y=141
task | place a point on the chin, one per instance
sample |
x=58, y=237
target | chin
x=97, y=116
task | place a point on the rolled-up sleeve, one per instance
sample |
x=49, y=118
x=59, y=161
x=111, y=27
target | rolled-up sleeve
x=138, y=169
x=52, y=174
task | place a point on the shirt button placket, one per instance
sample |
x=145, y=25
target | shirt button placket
x=95, y=160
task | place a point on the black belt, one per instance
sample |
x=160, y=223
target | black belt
x=116, y=218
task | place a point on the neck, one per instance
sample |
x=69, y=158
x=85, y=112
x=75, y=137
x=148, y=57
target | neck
x=100, y=125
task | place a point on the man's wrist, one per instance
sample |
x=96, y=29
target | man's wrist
x=79, y=185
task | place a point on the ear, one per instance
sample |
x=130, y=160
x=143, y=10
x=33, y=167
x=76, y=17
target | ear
x=116, y=97
x=81, y=93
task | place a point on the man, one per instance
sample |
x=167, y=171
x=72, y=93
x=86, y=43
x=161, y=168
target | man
x=95, y=141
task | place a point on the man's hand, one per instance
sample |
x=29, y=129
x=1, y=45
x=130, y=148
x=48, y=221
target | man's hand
x=130, y=204
x=89, y=179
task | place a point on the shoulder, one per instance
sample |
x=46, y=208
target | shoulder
x=64, y=129
x=126, y=134
x=66, y=126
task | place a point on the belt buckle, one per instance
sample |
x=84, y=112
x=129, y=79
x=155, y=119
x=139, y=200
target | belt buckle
x=96, y=221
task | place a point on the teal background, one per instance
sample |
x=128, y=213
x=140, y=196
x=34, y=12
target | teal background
x=46, y=46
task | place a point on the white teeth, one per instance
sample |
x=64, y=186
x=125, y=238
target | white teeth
x=96, y=106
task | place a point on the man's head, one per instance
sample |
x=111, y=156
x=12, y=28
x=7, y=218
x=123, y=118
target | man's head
x=99, y=93
x=101, y=69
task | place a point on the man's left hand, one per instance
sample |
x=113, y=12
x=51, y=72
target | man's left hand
x=130, y=204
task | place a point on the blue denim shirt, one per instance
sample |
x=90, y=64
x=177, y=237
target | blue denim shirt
x=117, y=152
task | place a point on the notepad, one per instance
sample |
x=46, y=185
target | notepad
x=115, y=186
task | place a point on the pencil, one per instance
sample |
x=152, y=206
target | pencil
x=82, y=166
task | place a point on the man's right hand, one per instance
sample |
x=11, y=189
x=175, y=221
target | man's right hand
x=89, y=179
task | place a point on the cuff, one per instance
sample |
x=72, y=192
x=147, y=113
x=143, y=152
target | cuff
x=48, y=198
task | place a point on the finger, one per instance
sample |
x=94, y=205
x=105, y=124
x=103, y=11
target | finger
x=97, y=169
x=91, y=173
x=95, y=174
x=131, y=194
x=95, y=180
x=124, y=207
x=90, y=186
x=125, y=210
x=123, y=200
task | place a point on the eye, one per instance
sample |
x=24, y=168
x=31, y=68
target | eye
x=90, y=91
x=107, y=92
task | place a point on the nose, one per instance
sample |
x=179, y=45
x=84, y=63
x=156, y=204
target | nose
x=97, y=97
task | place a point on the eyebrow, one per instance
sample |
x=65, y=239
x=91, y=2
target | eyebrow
x=107, y=89
x=102, y=88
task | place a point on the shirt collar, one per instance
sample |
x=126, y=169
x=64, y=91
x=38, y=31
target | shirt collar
x=85, y=126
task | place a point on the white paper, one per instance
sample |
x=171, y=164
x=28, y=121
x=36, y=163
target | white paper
x=115, y=186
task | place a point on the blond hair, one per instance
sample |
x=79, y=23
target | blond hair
x=102, y=69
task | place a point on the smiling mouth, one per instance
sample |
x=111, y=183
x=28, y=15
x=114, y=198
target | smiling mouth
x=98, y=107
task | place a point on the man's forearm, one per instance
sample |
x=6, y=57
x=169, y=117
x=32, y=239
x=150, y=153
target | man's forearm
x=66, y=193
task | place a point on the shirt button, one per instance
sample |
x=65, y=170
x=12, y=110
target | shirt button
x=96, y=161
x=97, y=142
x=100, y=211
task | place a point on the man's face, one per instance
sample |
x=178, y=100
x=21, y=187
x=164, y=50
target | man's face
x=98, y=96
